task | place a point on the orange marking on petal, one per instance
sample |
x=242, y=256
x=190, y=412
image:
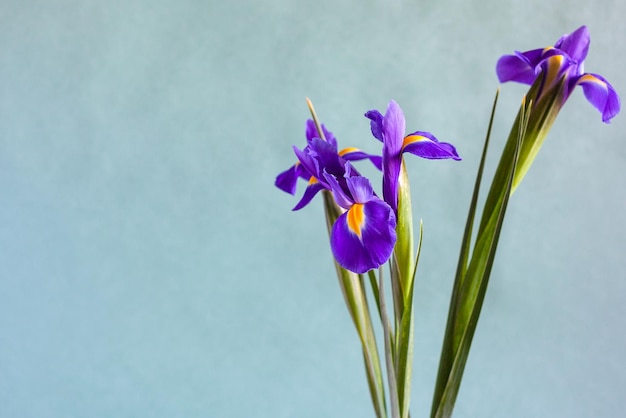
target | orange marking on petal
x=312, y=180
x=410, y=139
x=555, y=63
x=356, y=218
x=591, y=79
x=347, y=151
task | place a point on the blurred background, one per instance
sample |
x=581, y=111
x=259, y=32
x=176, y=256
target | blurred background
x=149, y=267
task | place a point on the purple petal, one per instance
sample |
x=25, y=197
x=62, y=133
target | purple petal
x=601, y=95
x=326, y=156
x=376, y=123
x=520, y=67
x=309, y=164
x=393, y=128
x=393, y=135
x=286, y=181
x=340, y=195
x=360, y=189
x=363, y=238
x=311, y=132
x=575, y=44
x=425, y=145
x=354, y=154
x=313, y=188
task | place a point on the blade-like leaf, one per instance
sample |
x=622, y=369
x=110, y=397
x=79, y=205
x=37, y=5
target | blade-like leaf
x=474, y=285
x=447, y=351
x=391, y=373
x=405, y=341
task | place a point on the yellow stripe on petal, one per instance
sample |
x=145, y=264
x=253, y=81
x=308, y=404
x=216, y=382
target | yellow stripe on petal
x=356, y=218
x=347, y=151
x=555, y=63
x=411, y=139
x=590, y=78
x=312, y=180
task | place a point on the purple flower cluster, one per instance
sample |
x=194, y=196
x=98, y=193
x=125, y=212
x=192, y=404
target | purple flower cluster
x=563, y=60
x=363, y=237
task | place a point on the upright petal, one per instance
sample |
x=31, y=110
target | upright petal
x=393, y=128
x=362, y=239
x=376, y=123
x=601, y=95
x=575, y=44
x=311, y=132
x=393, y=136
x=360, y=189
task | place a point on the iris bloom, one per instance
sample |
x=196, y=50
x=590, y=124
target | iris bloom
x=287, y=180
x=390, y=129
x=363, y=237
x=565, y=60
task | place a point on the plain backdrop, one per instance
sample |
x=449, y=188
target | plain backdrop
x=149, y=267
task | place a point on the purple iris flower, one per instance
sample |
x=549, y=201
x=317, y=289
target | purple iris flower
x=363, y=237
x=565, y=59
x=310, y=169
x=390, y=129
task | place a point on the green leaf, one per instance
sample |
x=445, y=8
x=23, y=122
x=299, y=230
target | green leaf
x=405, y=339
x=351, y=285
x=447, y=351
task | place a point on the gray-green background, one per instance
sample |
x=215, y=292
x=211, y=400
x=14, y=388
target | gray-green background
x=149, y=268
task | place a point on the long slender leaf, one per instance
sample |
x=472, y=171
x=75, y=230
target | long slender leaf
x=447, y=351
x=405, y=340
x=474, y=286
x=391, y=374
x=354, y=294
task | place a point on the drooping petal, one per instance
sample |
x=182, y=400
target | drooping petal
x=376, y=123
x=520, y=67
x=309, y=193
x=575, y=44
x=287, y=180
x=425, y=145
x=355, y=154
x=601, y=95
x=363, y=238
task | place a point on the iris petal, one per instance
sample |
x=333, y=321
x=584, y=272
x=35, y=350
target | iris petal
x=374, y=245
x=286, y=181
x=601, y=95
x=517, y=68
x=313, y=188
x=393, y=128
x=355, y=154
x=360, y=189
x=575, y=44
x=311, y=132
x=376, y=123
x=425, y=145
